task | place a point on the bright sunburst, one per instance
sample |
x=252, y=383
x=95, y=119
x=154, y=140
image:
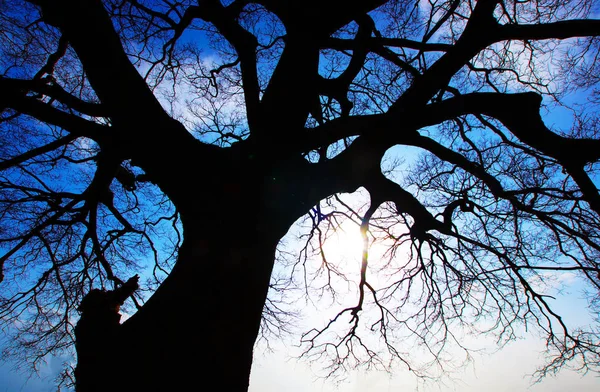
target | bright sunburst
x=346, y=244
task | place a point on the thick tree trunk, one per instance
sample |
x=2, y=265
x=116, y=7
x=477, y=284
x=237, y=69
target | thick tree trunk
x=199, y=328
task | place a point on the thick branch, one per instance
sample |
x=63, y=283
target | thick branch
x=53, y=90
x=323, y=17
x=374, y=42
x=483, y=30
x=480, y=31
x=48, y=68
x=521, y=114
x=360, y=165
x=30, y=106
x=334, y=130
x=557, y=30
x=292, y=92
x=113, y=77
x=338, y=87
x=5, y=164
x=383, y=189
x=245, y=44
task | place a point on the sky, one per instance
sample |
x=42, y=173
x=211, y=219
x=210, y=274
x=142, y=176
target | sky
x=503, y=372
x=492, y=370
x=12, y=380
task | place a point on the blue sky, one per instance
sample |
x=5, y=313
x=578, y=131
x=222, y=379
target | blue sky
x=13, y=380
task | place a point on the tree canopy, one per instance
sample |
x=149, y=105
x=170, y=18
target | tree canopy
x=181, y=140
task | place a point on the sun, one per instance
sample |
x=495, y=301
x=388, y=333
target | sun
x=346, y=244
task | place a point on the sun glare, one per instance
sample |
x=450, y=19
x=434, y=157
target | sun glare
x=346, y=244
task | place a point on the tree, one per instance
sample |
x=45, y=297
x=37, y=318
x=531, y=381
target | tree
x=181, y=140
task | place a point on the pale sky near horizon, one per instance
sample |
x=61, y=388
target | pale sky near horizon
x=505, y=371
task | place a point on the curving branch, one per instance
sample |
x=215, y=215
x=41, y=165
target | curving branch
x=338, y=87
x=558, y=30
x=520, y=113
x=118, y=85
x=14, y=161
x=371, y=43
x=479, y=32
x=13, y=98
x=245, y=44
x=48, y=87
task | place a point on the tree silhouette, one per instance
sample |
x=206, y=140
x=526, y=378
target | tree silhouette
x=181, y=140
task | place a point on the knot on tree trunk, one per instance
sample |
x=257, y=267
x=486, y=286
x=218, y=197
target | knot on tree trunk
x=96, y=336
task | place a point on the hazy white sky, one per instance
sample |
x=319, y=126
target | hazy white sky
x=505, y=371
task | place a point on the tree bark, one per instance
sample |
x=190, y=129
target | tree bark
x=200, y=326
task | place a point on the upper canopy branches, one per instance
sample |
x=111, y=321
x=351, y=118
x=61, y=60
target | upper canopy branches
x=316, y=35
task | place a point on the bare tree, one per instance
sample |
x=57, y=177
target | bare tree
x=181, y=140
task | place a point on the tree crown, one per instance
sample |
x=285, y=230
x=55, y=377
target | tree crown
x=111, y=109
